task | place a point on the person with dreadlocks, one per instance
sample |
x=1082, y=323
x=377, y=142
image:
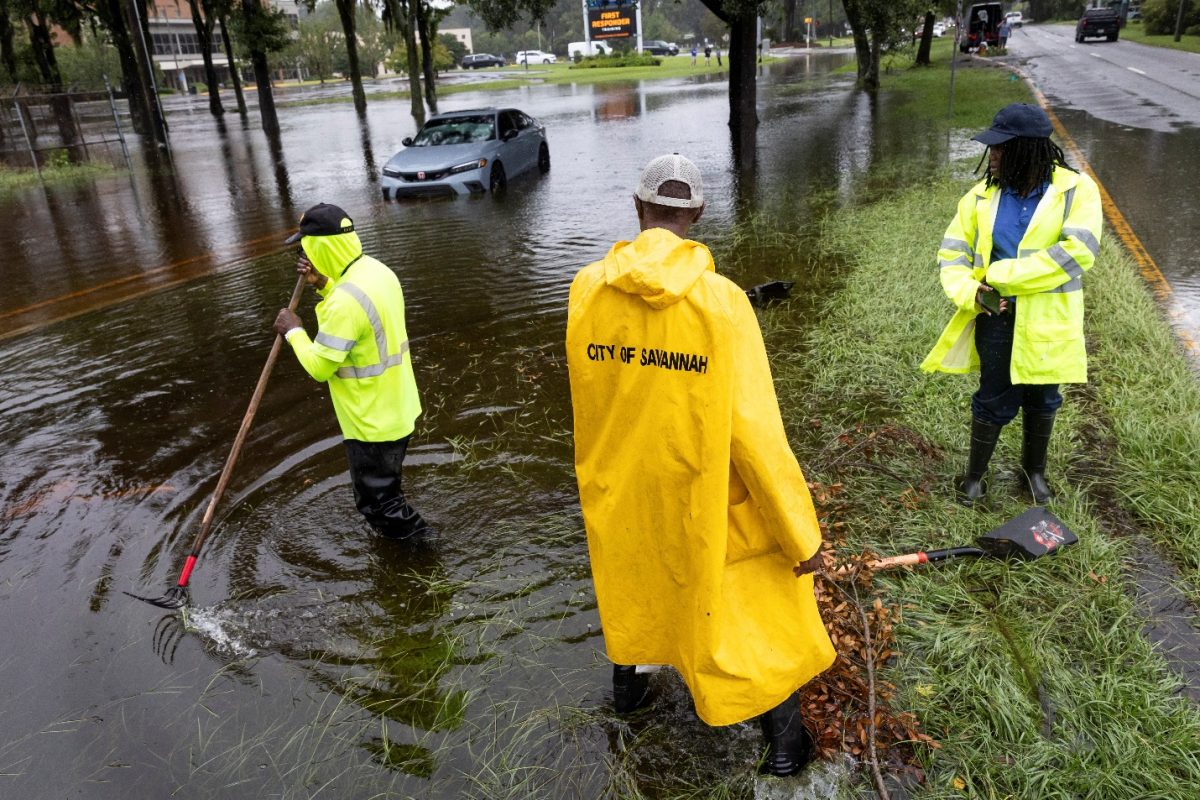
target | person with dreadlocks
x=1012, y=262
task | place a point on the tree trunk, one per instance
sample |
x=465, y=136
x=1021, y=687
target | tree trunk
x=346, y=12
x=743, y=90
x=789, y=19
x=425, y=28
x=60, y=102
x=262, y=74
x=926, y=41
x=204, y=31
x=870, y=81
x=414, y=63
x=7, y=54
x=856, y=18
x=136, y=17
x=112, y=16
x=234, y=75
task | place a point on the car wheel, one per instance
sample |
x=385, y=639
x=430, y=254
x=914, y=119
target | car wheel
x=544, y=158
x=499, y=181
x=545, y=61
x=1112, y=38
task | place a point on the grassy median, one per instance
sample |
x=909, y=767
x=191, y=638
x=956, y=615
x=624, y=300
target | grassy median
x=1034, y=678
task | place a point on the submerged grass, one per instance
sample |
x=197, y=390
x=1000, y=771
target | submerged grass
x=1034, y=677
x=17, y=180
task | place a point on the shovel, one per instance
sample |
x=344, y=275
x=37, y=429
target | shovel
x=178, y=596
x=1033, y=534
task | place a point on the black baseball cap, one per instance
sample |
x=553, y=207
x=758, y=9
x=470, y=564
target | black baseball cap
x=323, y=219
x=1018, y=119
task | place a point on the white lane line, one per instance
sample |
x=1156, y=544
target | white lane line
x=1094, y=55
x=1135, y=69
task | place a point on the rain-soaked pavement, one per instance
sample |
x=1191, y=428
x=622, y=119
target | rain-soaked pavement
x=1134, y=111
x=323, y=661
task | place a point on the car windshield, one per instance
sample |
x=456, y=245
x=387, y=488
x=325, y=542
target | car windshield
x=456, y=130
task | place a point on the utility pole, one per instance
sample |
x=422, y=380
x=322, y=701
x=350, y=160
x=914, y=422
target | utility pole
x=1179, y=22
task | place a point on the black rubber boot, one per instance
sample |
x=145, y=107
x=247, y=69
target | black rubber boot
x=972, y=486
x=631, y=690
x=1034, y=444
x=789, y=744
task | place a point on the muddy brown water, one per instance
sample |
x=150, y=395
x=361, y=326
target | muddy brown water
x=320, y=661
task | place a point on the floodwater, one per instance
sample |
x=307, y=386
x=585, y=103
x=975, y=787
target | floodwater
x=320, y=660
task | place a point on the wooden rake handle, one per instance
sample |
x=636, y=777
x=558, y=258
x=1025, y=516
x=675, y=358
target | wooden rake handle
x=238, y=441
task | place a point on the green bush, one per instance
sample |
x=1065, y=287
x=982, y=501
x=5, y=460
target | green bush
x=1159, y=16
x=618, y=60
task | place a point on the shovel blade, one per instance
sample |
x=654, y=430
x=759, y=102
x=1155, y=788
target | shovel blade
x=1030, y=535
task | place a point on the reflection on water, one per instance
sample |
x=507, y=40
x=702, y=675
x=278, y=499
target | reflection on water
x=322, y=656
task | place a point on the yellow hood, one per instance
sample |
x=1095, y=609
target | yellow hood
x=657, y=266
x=332, y=254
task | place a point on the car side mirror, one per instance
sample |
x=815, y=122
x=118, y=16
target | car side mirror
x=509, y=135
x=406, y=141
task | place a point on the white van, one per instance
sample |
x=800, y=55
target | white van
x=587, y=49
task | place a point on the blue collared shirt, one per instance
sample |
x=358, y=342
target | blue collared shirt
x=1012, y=218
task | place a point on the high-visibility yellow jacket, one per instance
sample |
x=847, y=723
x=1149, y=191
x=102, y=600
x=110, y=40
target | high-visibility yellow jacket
x=361, y=347
x=1046, y=277
x=695, y=507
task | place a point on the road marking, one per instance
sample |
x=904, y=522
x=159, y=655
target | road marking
x=1135, y=69
x=1094, y=55
x=1146, y=265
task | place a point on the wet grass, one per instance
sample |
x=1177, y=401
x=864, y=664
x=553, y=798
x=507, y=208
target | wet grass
x=1034, y=677
x=1136, y=32
x=13, y=181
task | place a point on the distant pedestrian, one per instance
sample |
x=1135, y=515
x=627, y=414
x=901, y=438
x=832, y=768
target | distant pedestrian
x=707, y=54
x=361, y=354
x=1012, y=262
x=718, y=55
x=1003, y=33
x=694, y=53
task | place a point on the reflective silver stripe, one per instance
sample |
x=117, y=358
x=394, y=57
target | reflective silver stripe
x=1029, y=252
x=1073, y=285
x=963, y=260
x=1085, y=236
x=386, y=361
x=1064, y=260
x=334, y=342
x=372, y=316
x=374, y=370
x=1068, y=201
x=957, y=244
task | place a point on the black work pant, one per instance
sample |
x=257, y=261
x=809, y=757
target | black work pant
x=375, y=472
x=998, y=400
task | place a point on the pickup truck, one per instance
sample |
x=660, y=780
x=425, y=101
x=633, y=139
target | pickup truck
x=1097, y=22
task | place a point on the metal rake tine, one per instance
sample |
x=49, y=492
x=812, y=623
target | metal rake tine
x=177, y=597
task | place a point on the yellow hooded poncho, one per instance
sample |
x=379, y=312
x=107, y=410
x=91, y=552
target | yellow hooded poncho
x=695, y=507
x=361, y=348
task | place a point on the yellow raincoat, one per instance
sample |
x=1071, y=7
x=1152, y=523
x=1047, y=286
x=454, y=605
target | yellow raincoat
x=361, y=347
x=695, y=507
x=1059, y=246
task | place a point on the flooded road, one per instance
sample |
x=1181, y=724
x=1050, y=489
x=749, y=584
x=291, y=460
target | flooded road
x=321, y=661
x=1134, y=111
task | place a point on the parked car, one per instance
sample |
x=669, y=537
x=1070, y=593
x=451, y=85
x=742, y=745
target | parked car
x=1097, y=22
x=466, y=152
x=534, y=57
x=939, y=29
x=657, y=47
x=1014, y=18
x=481, y=60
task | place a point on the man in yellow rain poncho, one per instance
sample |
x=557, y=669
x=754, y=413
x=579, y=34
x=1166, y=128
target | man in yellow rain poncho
x=700, y=527
x=361, y=352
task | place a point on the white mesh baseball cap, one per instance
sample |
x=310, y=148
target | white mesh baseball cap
x=671, y=168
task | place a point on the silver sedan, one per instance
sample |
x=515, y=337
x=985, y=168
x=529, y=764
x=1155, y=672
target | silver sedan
x=467, y=152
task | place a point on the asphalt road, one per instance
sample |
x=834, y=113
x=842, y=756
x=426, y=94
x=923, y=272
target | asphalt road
x=1134, y=111
x=1122, y=82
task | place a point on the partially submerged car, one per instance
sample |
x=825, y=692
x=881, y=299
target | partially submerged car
x=466, y=152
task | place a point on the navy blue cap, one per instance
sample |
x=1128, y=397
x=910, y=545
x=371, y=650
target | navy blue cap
x=323, y=219
x=1018, y=119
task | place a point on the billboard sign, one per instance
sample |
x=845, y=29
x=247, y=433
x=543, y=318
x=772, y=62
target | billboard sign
x=611, y=21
